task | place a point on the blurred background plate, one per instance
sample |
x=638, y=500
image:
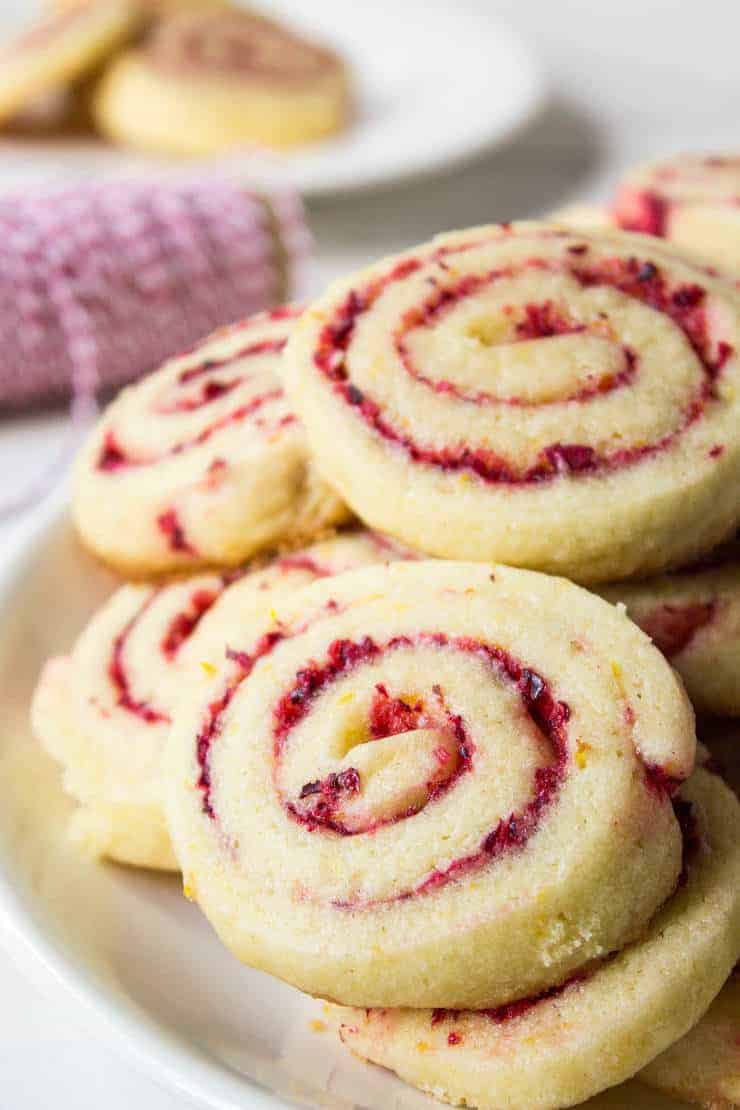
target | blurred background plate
x=436, y=83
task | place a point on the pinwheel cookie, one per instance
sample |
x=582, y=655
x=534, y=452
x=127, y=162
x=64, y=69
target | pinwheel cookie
x=60, y=48
x=105, y=710
x=693, y=616
x=606, y=1022
x=454, y=792
x=693, y=200
x=202, y=462
x=584, y=215
x=209, y=81
x=704, y=1066
x=564, y=401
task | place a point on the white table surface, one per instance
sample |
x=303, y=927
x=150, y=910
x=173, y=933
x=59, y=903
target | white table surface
x=629, y=80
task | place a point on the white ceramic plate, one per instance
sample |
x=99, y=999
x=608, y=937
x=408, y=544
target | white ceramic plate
x=437, y=82
x=140, y=959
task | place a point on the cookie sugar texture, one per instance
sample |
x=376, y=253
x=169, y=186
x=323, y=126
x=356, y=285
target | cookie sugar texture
x=432, y=784
x=105, y=710
x=602, y=1026
x=204, y=461
x=693, y=200
x=563, y=401
x=210, y=80
x=693, y=616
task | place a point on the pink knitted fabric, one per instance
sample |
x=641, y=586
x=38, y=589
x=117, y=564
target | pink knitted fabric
x=99, y=283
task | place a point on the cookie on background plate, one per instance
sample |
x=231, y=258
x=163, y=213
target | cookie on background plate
x=456, y=790
x=212, y=80
x=566, y=401
x=60, y=48
x=104, y=710
x=203, y=462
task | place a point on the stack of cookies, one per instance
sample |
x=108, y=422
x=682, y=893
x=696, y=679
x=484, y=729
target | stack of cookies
x=378, y=690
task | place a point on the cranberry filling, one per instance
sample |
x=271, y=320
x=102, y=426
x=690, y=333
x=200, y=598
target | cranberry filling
x=114, y=456
x=549, y=714
x=184, y=624
x=171, y=527
x=659, y=781
x=510, y=1011
x=389, y=716
x=181, y=627
x=645, y=212
x=540, y=321
x=301, y=561
x=673, y=627
x=118, y=674
x=685, y=304
x=209, y=365
x=213, y=724
x=210, y=391
x=326, y=795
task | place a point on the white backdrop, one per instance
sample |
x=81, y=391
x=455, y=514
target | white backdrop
x=629, y=80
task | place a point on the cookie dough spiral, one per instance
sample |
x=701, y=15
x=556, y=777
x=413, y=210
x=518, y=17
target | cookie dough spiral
x=104, y=711
x=603, y=1025
x=563, y=401
x=211, y=80
x=432, y=784
x=693, y=200
x=202, y=462
x=693, y=616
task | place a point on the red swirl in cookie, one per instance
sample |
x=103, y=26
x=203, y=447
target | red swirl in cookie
x=608, y=1021
x=203, y=460
x=214, y=379
x=693, y=200
x=104, y=711
x=693, y=616
x=421, y=745
x=525, y=393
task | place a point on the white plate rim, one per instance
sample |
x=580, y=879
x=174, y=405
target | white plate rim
x=513, y=115
x=134, y=1035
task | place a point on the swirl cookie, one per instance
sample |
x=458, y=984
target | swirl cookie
x=704, y=1066
x=105, y=710
x=209, y=81
x=602, y=1025
x=456, y=789
x=693, y=616
x=563, y=401
x=692, y=200
x=583, y=215
x=202, y=462
x=60, y=48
